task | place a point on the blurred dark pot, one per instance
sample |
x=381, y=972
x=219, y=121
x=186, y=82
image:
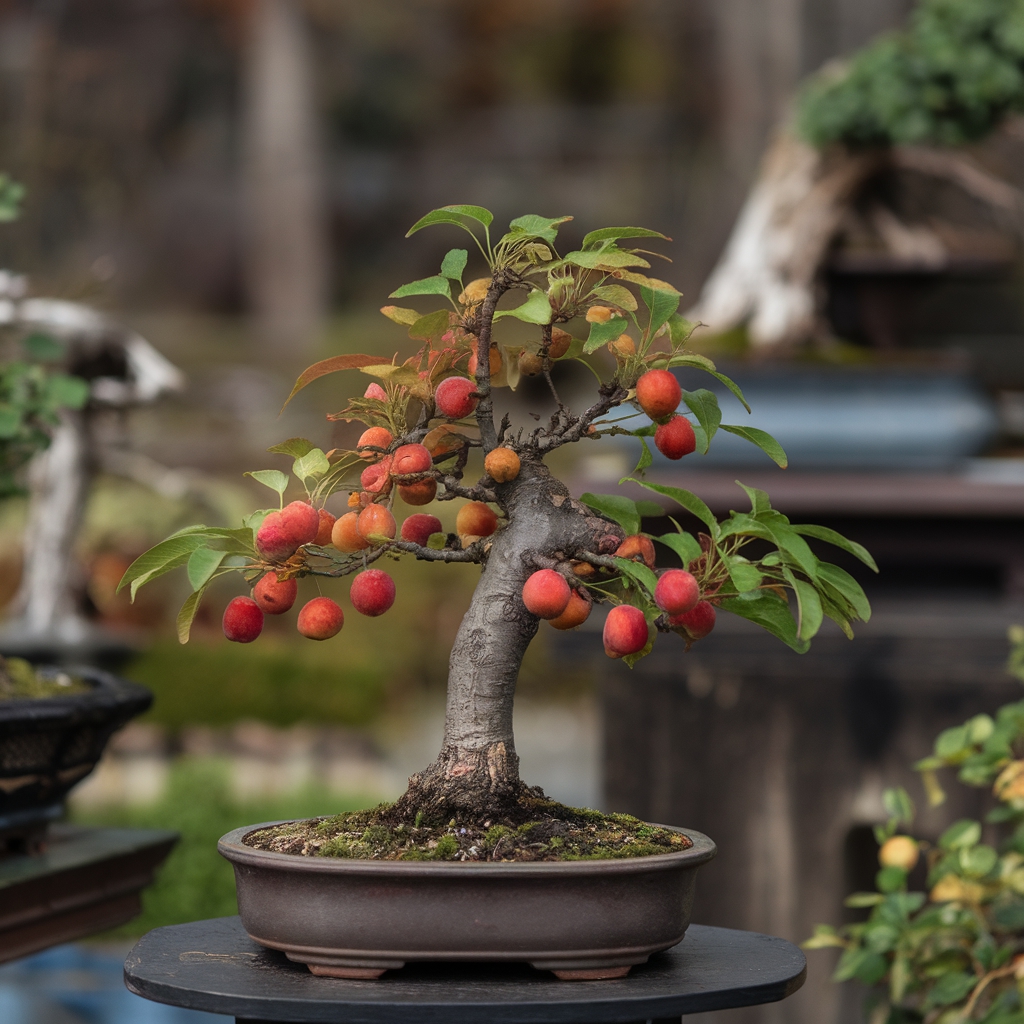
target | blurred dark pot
x=358, y=918
x=48, y=744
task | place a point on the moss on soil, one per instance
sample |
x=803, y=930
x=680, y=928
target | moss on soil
x=557, y=833
x=19, y=680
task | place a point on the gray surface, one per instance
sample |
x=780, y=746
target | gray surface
x=214, y=966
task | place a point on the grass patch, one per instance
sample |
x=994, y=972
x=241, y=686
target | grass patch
x=196, y=882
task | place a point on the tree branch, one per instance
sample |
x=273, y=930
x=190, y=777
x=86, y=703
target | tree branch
x=470, y=554
x=612, y=393
x=484, y=321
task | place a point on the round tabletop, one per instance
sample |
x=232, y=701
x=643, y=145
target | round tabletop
x=214, y=966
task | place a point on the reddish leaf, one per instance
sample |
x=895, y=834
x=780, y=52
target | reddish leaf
x=326, y=366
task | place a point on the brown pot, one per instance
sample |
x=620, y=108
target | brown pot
x=358, y=918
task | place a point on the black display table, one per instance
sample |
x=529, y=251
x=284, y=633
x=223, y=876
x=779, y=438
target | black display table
x=214, y=966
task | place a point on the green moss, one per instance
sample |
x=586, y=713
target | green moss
x=447, y=847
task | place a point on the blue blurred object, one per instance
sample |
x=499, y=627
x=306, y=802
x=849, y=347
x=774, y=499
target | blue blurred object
x=77, y=984
x=848, y=418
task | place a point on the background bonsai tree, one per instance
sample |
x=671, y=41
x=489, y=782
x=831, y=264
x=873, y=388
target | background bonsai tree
x=955, y=952
x=545, y=554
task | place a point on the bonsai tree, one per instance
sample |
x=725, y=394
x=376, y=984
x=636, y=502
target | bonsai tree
x=544, y=553
x=955, y=951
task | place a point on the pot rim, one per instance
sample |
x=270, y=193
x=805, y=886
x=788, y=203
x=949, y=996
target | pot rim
x=231, y=847
x=107, y=692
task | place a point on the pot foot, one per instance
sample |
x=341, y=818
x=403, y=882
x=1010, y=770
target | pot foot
x=352, y=973
x=593, y=973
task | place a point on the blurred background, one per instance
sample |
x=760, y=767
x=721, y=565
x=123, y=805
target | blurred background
x=231, y=180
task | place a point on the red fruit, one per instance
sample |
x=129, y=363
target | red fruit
x=378, y=437
x=323, y=532
x=275, y=596
x=420, y=493
x=697, y=622
x=346, y=536
x=376, y=391
x=411, y=458
x=282, y=533
x=675, y=438
x=377, y=478
x=577, y=611
x=243, y=620
x=546, y=594
x=677, y=592
x=625, y=631
x=637, y=544
x=419, y=527
x=372, y=592
x=320, y=619
x=475, y=519
x=452, y=397
x=658, y=393
x=376, y=521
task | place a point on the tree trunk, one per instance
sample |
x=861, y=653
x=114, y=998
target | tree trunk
x=476, y=775
x=768, y=275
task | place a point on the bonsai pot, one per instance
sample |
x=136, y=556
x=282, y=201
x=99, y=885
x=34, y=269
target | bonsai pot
x=346, y=918
x=48, y=744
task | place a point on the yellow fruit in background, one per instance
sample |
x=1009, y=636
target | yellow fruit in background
x=599, y=314
x=622, y=347
x=899, y=852
x=950, y=887
x=475, y=291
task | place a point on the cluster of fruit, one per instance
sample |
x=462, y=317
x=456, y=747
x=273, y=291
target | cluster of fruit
x=659, y=394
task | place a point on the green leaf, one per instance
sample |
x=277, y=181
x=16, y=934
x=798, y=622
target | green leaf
x=960, y=835
x=847, y=586
x=188, y=613
x=978, y=861
x=859, y=900
x=454, y=263
x=950, y=988
x=430, y=326
x=605, y=259
x=65, y=391
x=535, y=310
x=437, y=541
x=865, y=965
x=759, y=500
x=649, y=509
x=296, y=447
x=646, y=458
x=453, y=215
x=680, y=329
x=401, y=316
x=891, y=879
x=536, y=226
x=839, y=541
x=272, y=478
x=616, y=294
x=202, y=564
x=897, y=803
x=601, y=334
x=42, y=347
x=427, y=286
x=312, y=465
x=744, y=575
x=615, y=507
x=161, y=558
x=661, y=306
x=685, y=545
x=951, y=742
x=687, y=499
x=405, y=375
x=631, y=659
x=824, y=936
x=770, y=612
x=639, y=572
x=809, y=607
x=704, y=405
x=762, y=439
x=614, y=234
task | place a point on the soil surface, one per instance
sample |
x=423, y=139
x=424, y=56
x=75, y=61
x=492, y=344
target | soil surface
x=557, y=833
x=19, y=680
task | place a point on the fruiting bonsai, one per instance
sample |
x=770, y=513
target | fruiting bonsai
x=544, y=553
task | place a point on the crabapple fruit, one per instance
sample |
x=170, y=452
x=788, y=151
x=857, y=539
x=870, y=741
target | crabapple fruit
x=530, y=363
x=577, y=611
x=675, y=438
x=658, y=393
x=637, y=544
x=418, y=528
x=697, y=622
x=346, y=536
x=282, y=533
x=899, y=852
x=677, y=592
x=320, y=619
x=411, y=458
x=377, y=478
x=376, y=521
x=475, y=291
x=625, y=631
x=495, y=361
x=243, y=620
x=420, y=493
x=372, y=592
x=599, y=314
x=560, y=342
x=476, y=519
x=378, y=437
x=454, y=397
x=546, y=594
x=622, y=347
x=323, y=531
x=502, y=465
x=275, y=596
